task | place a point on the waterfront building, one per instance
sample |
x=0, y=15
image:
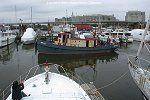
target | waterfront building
x=87, y=18
x=135, y=16
x=63, y=19
x=93, y=18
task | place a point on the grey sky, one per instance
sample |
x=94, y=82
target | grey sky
x=42, y=10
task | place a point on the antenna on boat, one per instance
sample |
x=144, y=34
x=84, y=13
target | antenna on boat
x=143, y=37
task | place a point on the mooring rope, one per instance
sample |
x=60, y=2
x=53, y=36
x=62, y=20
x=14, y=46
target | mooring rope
x=147, y=48
x=113, y=82
x=119, y=78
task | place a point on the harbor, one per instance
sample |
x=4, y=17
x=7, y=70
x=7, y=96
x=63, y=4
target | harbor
x=74, y=50
x=112, y=81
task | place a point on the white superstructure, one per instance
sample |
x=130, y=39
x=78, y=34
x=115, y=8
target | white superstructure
x=123, y=35
x=6, y=36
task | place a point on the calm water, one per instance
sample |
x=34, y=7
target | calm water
x=102, y=70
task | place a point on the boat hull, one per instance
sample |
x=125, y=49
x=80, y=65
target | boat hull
x=140, y=77
x=47, y=47
x=6, y=42
x=28, y=41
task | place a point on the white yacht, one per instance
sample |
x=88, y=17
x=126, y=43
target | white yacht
x=106, y=34
x=6, y=36
x=123, y=35
x=29, y=36
x=137, y=35
x=55, y=86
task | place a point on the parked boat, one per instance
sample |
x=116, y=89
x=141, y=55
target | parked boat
x=6, y=36
x=56, y=85
x=65, y=44
x=105, y=36
x=123, y=35
x=29, y=36
x=137, y=35
x=140, y=67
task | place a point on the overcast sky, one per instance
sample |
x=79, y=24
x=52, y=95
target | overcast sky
x=42, y=10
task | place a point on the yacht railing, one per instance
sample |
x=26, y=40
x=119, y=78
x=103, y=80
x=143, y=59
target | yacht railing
x=34, y=71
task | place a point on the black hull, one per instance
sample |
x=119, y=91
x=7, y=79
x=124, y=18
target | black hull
x=47, y=47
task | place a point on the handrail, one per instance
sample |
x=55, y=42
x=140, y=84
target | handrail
x=76, y=78
x=138, y=58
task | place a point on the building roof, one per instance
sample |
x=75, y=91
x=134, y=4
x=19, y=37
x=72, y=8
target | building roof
x=83, y=26
x=63, y=33
x=82, y=39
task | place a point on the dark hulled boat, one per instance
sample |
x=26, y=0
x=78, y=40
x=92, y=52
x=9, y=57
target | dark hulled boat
x=65, y=44
x=51, y=48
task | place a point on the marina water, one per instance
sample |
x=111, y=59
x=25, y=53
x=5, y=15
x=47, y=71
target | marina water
x=108, y=72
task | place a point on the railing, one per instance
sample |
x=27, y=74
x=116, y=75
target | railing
x=137, y=61
x=35, y=69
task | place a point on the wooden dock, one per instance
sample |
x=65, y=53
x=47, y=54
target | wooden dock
x=92, y=91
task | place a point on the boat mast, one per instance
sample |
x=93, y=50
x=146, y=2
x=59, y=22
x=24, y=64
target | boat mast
x=143, y=36
x=31, y=16
x=66, y=17
x=99, y=26
x=16, y=16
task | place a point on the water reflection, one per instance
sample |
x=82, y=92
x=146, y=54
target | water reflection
x=6, y=53
x=29, y=48
x=70, y=62
x=125, y=45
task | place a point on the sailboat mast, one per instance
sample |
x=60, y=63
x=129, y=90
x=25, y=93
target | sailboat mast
x=31, y=15
x=66, y=16
x=143, y=36
x=16, y=16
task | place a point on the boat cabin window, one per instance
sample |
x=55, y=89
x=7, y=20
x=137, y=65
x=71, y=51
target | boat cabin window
x=140, y=34
x=114, y=34
x=120, y=33
x=107, y=33
x=127, y=34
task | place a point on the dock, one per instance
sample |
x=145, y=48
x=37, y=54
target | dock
x=91, y=90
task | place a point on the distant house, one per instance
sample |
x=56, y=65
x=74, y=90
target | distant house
x=81, y=27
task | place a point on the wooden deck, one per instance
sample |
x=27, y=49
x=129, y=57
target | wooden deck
x=92, y=91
